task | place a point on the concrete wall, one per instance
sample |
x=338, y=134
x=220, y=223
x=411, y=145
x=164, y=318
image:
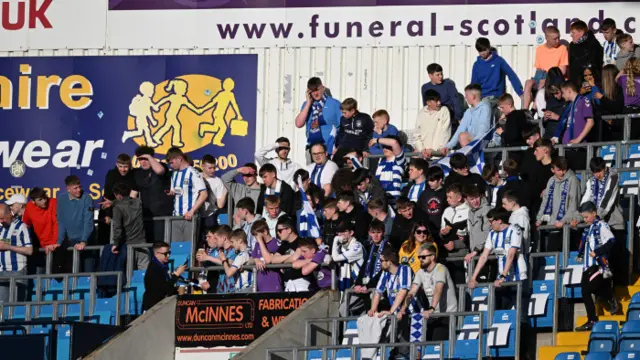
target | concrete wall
x=151, y=336
x=291, y=330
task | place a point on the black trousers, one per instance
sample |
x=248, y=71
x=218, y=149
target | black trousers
x=594, y=284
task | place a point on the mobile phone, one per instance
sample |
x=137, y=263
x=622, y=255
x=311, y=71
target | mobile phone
x=186, y=262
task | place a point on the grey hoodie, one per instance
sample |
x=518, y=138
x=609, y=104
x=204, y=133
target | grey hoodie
x=478, y=226
x=623, y=57
x=572, y=201
x=238, y=191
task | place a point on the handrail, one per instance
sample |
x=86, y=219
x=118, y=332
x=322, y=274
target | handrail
x=38, y=304
x=65, y=287
x=353, y=347
x=627, y=122
x=254, y=269
x=556, y=282
x=334, y=327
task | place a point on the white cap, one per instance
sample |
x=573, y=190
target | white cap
x=17, y=199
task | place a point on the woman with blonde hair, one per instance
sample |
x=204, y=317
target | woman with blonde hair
x=630, y=83
x=610, y=102
x=410, y=248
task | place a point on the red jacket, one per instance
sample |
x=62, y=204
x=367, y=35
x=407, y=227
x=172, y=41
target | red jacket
x=43, y=221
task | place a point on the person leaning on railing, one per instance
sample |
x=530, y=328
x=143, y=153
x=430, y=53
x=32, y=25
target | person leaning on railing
x=159, y=282
x=15, y=246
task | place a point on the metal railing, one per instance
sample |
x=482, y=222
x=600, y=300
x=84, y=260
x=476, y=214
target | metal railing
x=37, y=304
x=67, y=288
x=335, y=324
x=195, y=228
x=254, y=285
x=462, y=288
x=627, y=122
x=328, y=349
x=556, y=282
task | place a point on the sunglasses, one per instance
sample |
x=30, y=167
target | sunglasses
x=168, y=253
x=422, y=232
x=422, y=257
x=281, y=230
x=248, y=175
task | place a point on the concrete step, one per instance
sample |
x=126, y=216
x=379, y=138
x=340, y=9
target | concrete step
x=572, y=338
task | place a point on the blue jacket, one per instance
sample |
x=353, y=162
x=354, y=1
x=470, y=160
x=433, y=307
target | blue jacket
x=75, y=218
x=112, y=262
x=490, y=74
x=476, y=121
x=332, y=114
x=448, y=97
x=376, y=149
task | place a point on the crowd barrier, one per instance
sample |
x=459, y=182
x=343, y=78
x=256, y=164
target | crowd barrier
x=68, y=287
x=627, y=122
x=28, y=305
x=324, y=352
x=167, y=220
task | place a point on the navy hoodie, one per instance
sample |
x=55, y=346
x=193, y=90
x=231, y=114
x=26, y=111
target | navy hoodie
x=490, y=74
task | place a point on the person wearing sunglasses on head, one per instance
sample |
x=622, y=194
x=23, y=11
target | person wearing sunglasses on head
x=251, y=188
x=159, y=282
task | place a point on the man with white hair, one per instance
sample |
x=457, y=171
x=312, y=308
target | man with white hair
x=15, y=246
x=17, y=204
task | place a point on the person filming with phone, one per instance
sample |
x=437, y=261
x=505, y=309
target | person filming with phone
x=159, y=282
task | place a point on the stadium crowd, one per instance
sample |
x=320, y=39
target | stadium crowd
x=408, y=242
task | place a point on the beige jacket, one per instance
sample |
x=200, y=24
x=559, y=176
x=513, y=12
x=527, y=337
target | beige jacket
x=432, y=130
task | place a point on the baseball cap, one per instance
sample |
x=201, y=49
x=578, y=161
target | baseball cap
x=17, y=199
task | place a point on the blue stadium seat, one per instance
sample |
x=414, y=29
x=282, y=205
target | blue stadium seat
x=633, y=155
x=630, y=336
x=109, y=305
x=467, y=348
x=625, y=355
x=573, y=291
x=64, y=342
x=629, y=183
x=138, y=277
x=314, y=355
x=180, y=248
x=598, y=356
x=433, y=351
x=608, y=153
x=633, y=313
x=344, y=354
x=545, y=320
x=350, y=333
x=505, y=317
x=604, y=337
x=223, y=219
x=635, y=299
x=568, y=356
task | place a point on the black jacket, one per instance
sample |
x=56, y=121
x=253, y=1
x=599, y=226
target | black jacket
x=521, y=188
x=286, y=199
x=402, y=227
x=156, y=285
x=472, y=178
x=589, y=52
x=355, y=132
x=433, y=203
x=360, y=219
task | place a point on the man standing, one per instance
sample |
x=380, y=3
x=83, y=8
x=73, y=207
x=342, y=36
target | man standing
x=121, y=173
x=447, y=90
x=15, y=246
x=476, y=120
x=159, y=283
x=75, y=223
x=490, y=71
x=152, y=180
x=322, y=169
x=217, y=194
x=40, y=215
x=189, y=191
x=17, y=204
x=584, y=50
x=320, y=113
x=610, y=48
x=285, y=166
x=128, y=224
x=439, y=289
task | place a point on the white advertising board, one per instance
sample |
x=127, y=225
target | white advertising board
x=52, y=24
x=407, y=25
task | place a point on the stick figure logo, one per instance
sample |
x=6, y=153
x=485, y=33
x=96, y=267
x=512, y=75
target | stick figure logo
x=17, y=169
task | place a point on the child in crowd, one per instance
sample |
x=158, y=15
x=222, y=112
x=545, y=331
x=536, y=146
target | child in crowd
x=218, y=242
x=331, y=221
x=234, y=268
x=310, y=264
x=348, y=253
x=490, y=71
x=446, y=90
x=391, y=167
x=548, y=55
x=367, y=187
x=559, y=202
x=628, y=50
x=519, y=217
x=267, y=280
x=491, y=174
x=432, y=200
x=417, y=168
x=433, y=125
x=515, y=121
x=217, y=197
x=352, y=212
x=478, y=228
x=453, y=230
x=461, y=173
x=244, y=218
x=381, y=129
x=272, y=212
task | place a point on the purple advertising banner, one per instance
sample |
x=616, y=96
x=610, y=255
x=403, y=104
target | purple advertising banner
x=248, y=4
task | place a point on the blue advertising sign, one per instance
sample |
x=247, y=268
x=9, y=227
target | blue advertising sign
x=74, y=115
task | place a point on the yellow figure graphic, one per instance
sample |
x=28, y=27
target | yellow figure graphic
x=141, y=109
x=222, y=101
x=177, y=89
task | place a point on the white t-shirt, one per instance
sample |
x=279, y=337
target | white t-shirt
x=217, y=190
x=428, y=281
x=322, y=174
